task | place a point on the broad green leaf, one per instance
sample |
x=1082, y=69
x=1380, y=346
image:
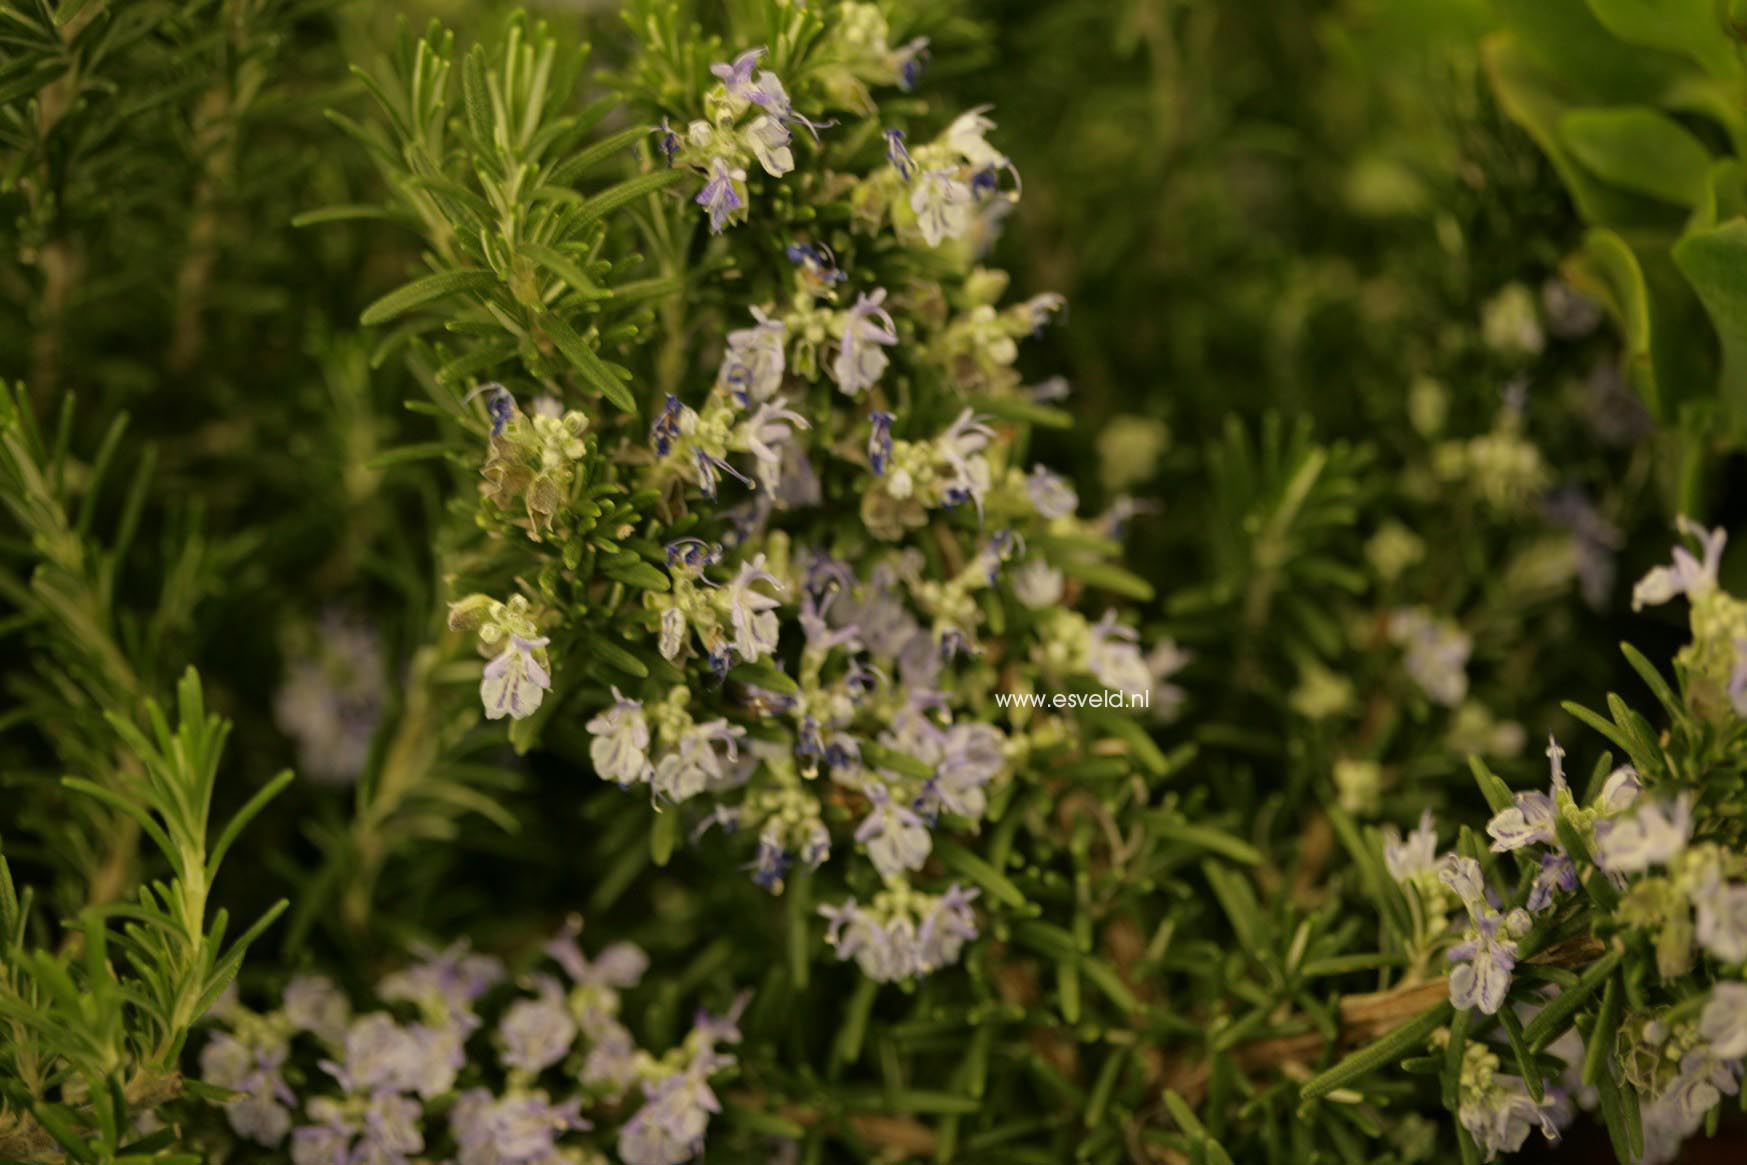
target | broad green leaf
x=1640, y=149
x=1609, y=268
x=1691, y=28
x=1715, y=263
x=1537, y=101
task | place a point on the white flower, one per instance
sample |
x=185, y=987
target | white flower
x=752, y=367
x=1723, y=1023
x=1688, y=576
x=620, y=748
x=516, y=681
x=942, y=204
x=750, y=611
x=765, y=434
x=1037, y=584
x=1721, y=922
x=693, y=764
x=1436, y=654
x=868, y=329
x=768, y=139
x=965, y=136
x=315, y=1005
x=1415, y=857
x=1650, y=837
x=895, y=837
x=1051, y=493
x=1620, y=791
x=536, y=1033
x=672, y=633
x=1113, y=656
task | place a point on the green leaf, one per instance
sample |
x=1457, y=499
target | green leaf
x=763, y=675
x=968, y=865
x=1652, y=678
x=327, y=214
x=1642, y=150
x=1715, y=263
x=1599, y=1044
x=1166, y=826
x=1691, y=28
x=1022, y=411
x=1108, y=576
x=1555, y=1019
x=1497, y=793
x=641, y=575
x=593, y=369
x=580, y=163
x=613, y=655
x=1396, y=1045
x=663, y=834
x=1609, y=268
x=565, y=268
x=1526, y=1066
x=425, y=290
x=614, y=197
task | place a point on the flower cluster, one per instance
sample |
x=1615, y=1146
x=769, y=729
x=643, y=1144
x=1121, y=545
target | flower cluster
x=851, y=549
x=431, y=1072
x=749, y=118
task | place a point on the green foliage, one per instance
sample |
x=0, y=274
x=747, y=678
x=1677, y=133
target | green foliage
x=1351, y=446
x=1630, y=102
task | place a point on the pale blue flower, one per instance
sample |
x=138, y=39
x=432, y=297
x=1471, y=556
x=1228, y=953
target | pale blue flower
x=943, y=206
x=1501, y=1116
x=263, y=1112
x=768, y=139
x=313, y=1004
x=1557, y=872
x=896, y=839
x=537, y=1033
x=766, y=435
x=721, y=194
x=1436, y=656
x=694, y=763
x=515, y=682
x=868, y=329
x=621, y=965
x=1416, y=856
x=1723, y=1023
x=620, y=744
x=750, y=611
x=1487, y=955
x=519, y=1129
x=1689, y=576
x=1051, y=493
x=1653, y=836
x=1533, y=819
x=736, y=76
x=1113, y=656
x=1720, y=921
x=752, y=367
x=1485, y=960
